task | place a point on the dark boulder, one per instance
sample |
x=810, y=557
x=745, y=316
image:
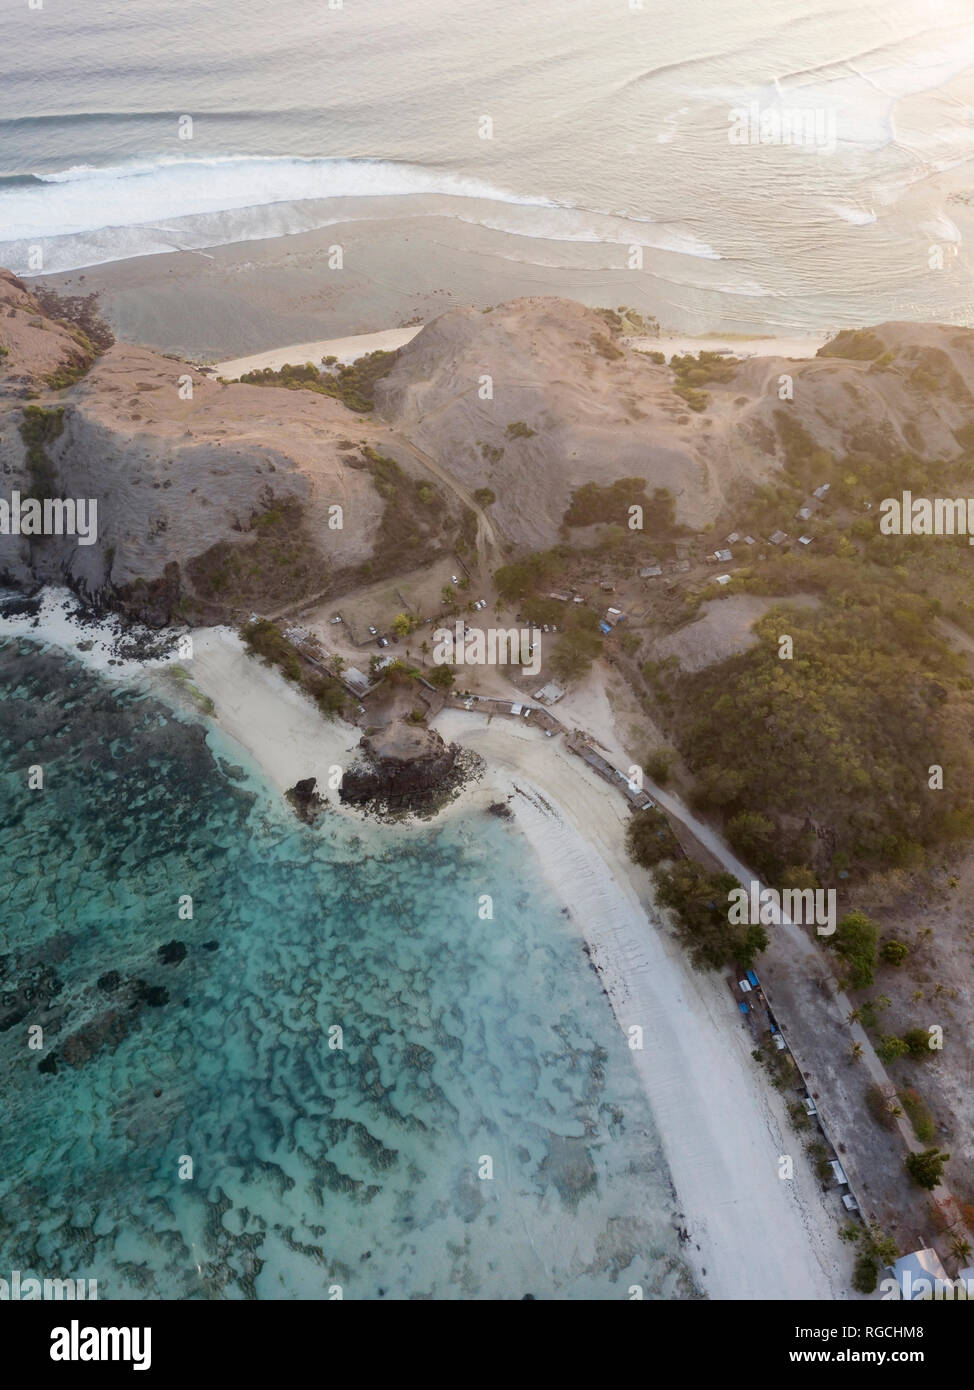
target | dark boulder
x=172, y=953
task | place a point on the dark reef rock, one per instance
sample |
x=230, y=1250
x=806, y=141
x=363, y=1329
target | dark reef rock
x=144, y=993
x=211, y=945
x=33, y=991
x=110, y=981
x=404, y=767
x=499, y=808
x=107, y=1030
x=172, y=953
x=49, y=1064
x=305, y=800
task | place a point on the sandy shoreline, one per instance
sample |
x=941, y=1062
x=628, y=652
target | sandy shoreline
x=245, y=298
x=349, y=349
x=345, y=349
x=723, y=1128
x=751, y=1236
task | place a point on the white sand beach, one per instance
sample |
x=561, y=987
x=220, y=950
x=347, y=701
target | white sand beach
x=350, y=349
x=676, y=346
x=751, y=1235
x=345, y=349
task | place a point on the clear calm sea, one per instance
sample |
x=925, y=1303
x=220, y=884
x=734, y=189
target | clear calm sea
x=610, y=124
x=314, y=1167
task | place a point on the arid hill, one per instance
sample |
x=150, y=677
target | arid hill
x=569, y=401
x=206, y=492
x=215, y=498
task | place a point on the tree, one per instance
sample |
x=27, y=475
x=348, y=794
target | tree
x=398, y=673
x=894, y=952
x=649, y=838
x=960, y=1246
x=402, y=625
x=890, y=1048
x=448, y=595
x=855, y=940
x=337, y=664
x=917, y=1043
x=864, y=1276
x=658, y=765
x=926, y=1168
x=884, y=1247
x=574, y=653
x=752, y=835
x=799, y=876
x=700, y=903
x=442, y=677
x=484, y=496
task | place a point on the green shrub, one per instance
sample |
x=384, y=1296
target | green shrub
x=865, y=1274
x=918, y=1114
x=649, y=838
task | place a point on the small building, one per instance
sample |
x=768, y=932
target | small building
x=561, y=598
x=749, y=540
x=777, y=537
x=838, y=1171
x=604, y=626
x=918, y=1274
x=606, y=587
x=733, y=537
x=549, y=694
x=722, y=579
x=356, y=679
x=820, y=492
x=651, y=572
x=723, y=556
x=804, y=540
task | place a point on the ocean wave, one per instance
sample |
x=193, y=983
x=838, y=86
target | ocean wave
x=86, y=199
x=86, y=216
x=856, y=217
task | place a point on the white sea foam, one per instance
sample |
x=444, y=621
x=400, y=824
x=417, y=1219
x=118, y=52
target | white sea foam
x=85, y=216
x=84, y=199
x=857, y=217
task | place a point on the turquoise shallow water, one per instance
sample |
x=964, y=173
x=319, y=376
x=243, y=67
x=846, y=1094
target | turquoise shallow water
x=313, y=1167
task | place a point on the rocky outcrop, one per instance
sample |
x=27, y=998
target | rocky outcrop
x=305, y=800
x=404, y=767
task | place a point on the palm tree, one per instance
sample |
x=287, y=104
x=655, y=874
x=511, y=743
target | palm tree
x=960, y=1246
x=855, y=1052
x=853, y=1016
